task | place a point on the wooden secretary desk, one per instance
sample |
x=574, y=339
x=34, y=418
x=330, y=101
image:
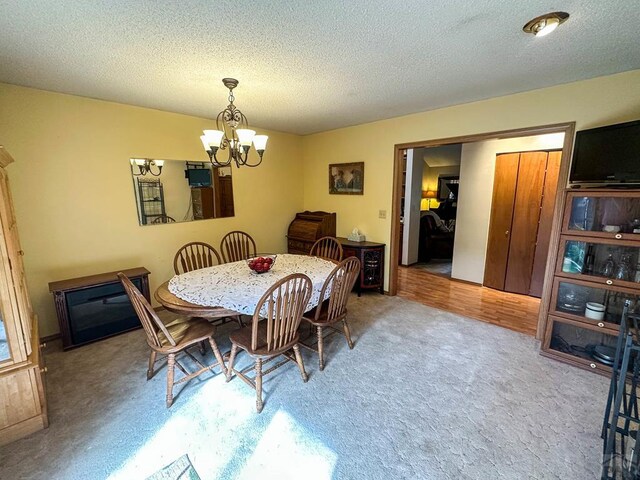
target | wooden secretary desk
x=22, y=398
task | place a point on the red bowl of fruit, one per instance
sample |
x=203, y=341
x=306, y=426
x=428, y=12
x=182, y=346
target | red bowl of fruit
x=262, y=263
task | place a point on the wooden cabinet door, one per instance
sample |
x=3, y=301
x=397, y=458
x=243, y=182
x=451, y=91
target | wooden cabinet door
x=524, y=227
x=16, y=307
x=504, y=194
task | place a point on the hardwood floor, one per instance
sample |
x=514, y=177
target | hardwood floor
x=508, y=310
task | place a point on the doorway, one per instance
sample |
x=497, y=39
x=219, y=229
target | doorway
x=475, y=259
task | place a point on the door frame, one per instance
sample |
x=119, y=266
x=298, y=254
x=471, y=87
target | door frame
x=567, y=128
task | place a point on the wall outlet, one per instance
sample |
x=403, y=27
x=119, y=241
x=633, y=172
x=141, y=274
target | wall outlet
x=382, y=214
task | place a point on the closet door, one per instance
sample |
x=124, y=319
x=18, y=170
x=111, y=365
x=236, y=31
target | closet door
x=524, y=227
x=546, y=221
x=502, y=205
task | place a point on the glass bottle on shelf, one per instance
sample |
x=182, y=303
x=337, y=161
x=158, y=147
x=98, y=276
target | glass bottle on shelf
x=609, y=267
x=588, y=261
x=624, y=268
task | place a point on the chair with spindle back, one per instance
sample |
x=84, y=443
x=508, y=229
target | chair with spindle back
x=236, y=246
x=327, y=247
x=172, y=339
x=194, y=256
x=274, y=331
x=163, y=219
x=197, y=255
x=332, y=306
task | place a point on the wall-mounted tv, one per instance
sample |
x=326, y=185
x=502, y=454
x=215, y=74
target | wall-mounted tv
x=607, y=155
x=198, y=177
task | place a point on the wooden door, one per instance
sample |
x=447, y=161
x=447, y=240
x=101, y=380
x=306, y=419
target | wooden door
x=546, y=220
x=524, y=227
x=502, y=204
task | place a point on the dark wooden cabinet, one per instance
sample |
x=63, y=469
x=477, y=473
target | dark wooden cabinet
x=308, y=227
x=96, y=307
x=371, y=256
x=202, y=203
x=597, y=266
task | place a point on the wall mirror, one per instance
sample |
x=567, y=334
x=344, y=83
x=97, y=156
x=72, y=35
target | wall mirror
x=171, y=191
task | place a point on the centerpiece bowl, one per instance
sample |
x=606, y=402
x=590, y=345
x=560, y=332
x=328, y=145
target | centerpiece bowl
x=261, y=263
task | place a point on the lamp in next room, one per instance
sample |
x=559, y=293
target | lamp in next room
x=428, y=195
x=232, y=134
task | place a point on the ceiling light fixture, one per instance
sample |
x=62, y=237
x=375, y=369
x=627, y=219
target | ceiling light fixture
x=545, y=24
x=144, y=166
x=228, y=136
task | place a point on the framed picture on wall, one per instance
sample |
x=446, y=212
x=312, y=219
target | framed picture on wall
x=346, y=178
x=448, y=187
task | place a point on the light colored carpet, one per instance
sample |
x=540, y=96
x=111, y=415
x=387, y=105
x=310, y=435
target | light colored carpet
x=424, y=395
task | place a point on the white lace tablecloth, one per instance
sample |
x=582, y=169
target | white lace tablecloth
x=234, y=286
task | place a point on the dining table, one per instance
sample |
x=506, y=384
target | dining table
x=231, y=289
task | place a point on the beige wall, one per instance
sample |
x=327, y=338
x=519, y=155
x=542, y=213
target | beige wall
x=74, y=199
x=477, y=171
x=599, y=101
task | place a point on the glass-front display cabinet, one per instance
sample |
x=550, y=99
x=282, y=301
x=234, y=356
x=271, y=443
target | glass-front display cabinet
x=592, y=303
x=596, y=270
x=581, y=345
x=610, y=262
x=22, y=398
x=603, y=213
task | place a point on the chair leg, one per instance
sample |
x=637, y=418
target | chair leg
x=216, y=352
x=320, y=349
x=296, y=350
x=347, y=333
x=171, y=362
x=201, y=348
x=152, y=361
x=232, y=357
x=239, y=320
x=258, y=385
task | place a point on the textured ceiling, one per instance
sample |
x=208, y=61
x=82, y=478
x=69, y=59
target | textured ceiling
x=309, y=66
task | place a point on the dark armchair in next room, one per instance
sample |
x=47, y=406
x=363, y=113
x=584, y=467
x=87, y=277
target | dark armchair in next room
x=434, y=242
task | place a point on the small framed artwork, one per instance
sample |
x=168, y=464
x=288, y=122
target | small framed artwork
x=346, y=178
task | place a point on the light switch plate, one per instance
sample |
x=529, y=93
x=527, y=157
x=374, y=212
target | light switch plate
x=382, y=214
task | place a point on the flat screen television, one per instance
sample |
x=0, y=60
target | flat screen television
x=607, y=155
x=198, y=177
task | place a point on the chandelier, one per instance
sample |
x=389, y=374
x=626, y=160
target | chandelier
x=233, y=135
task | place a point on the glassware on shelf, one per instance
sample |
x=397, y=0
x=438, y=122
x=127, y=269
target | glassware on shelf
x=609, y=268
x=574, y=257
x=572, y=298
x=588, y=261
x=624, y=268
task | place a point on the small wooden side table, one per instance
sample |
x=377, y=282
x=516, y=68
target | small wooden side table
x=96, y=307
x=371, y=256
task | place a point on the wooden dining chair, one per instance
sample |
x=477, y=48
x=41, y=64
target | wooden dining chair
x=197, y=255
x=327, y=247
x=172, y=339
x=163, y=219
x=236, y=246
x=281, y=308
x=332, y=306
x=194, y=256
